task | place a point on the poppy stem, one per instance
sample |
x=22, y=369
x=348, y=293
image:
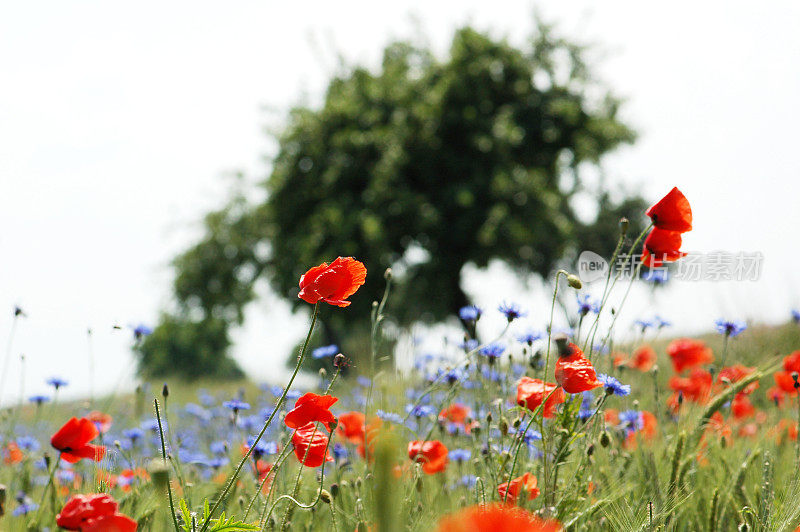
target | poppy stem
x=275, y=411
x=164, y=457
x=46, y=489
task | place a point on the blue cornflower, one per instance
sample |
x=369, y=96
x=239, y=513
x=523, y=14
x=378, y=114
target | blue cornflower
x=459, y=455
x=152, y=424
x=28, y=443
x=730, y=328
x=469, y=344
x=644, y=324
x=236, y=405
x=586, y=305
x=133, y=434
x=420, y=410
x=339, y=452
x=38, y=399
x=529, y=337
x=470, y=313
x=389, y=416
x=263, y=447
x=661, y=322
x=218, y=461
x=293, y=394
x=613, y=386
x=631, y=420
x=197, y=411
x=492, y=351
x=219, y=447
x=140, y=331
x=511, y=311
x=57, y=382
x=469, y=481
x=601, y=349
x=325, y=351
x=25, y=508
x=796, y=315
x=657, y=276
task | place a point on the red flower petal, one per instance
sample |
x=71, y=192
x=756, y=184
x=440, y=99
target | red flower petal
x=672, y=212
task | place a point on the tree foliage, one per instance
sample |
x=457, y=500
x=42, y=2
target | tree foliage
x=424, y=165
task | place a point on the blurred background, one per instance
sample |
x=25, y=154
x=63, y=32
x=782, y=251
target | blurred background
x=483, y=152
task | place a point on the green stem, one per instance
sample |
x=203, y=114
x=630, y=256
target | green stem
x=164, y=457
x=238, y=470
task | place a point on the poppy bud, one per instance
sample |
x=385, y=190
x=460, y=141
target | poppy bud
x=503, y=425
x=165, y=391
x=418, y=485
x=623, y=225
x=322, y=373
x=159, y=473
x=362, y=527
x=47, y=460
x=339, y=361
x=359, y=482
x=574, y=281
x=605, y=439
x=388, y=274
x=325, y=496
x=562, y=343
x=241, y=502
x=517, y=422
x=2, y=499
x=744, y=527
x=117, y=444
x=489, y=417
x=590, y=450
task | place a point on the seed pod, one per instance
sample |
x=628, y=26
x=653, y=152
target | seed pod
x=335, y=490
x=574, y=281
x=623, y=225
x=325, y=496
x=605, y=439
x=159, y=473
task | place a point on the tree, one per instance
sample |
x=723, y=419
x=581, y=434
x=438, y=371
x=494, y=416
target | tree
x=424, y=166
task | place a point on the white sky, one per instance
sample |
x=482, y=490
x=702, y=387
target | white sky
x=118, y=121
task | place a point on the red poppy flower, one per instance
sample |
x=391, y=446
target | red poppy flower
x=510, y=491
x=696, y=387
x=735, y=373
x=455, y=413
x=496, y=517
x=785, y=382
x=352, y=427
x=333, y=283
x=101, y=421
x=574, y=372
x=643, y=359
x=310, y=446
x=791, y=362
x=431, y=454
x=662, y=246
x=73, y=441
x=688, y=353
x=611, y=416
x=531, y=393
x=13, y=454
x=94, y=513
x=309, y=408
x=741, y=407
x=672, y=212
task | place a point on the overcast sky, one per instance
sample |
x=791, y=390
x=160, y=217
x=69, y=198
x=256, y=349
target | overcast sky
x=119, y=121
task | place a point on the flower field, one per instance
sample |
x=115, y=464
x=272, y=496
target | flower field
x=516, y=429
